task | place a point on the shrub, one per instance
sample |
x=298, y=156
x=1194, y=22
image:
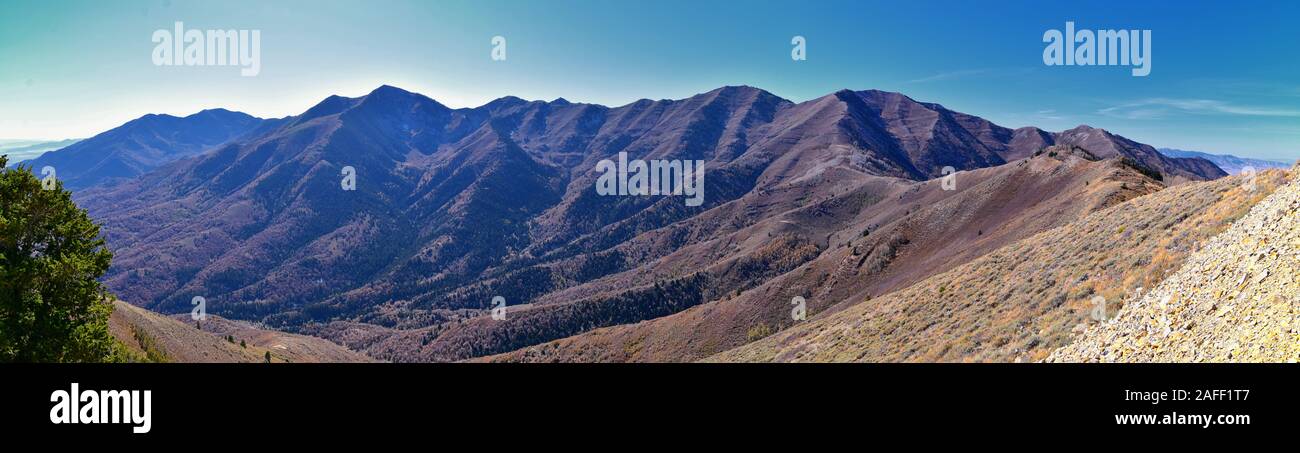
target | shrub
x=758, y=332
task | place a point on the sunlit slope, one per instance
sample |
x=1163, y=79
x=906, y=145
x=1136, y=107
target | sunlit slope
x=1235, y=300
x=1023, y=301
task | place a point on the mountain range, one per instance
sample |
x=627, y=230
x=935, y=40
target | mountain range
x=141, y=145
x=1229, y=163
x=838, y=200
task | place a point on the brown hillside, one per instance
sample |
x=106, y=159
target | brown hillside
x=1023, y=301
x=460, y=206
x=922, y=230
x=155, y=338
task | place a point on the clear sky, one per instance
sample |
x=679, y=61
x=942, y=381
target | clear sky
x=1225, y=76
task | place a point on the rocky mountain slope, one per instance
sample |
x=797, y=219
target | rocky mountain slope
x=455, y=207
x=1237, y=299
x=1022, y=301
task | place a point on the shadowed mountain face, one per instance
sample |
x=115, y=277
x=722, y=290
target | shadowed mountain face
x=142, y=145
x=454, y=207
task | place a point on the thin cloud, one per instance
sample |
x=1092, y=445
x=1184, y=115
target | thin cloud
x=1245, y=87
x=1160, y=107
x=951, y=75
x=968, y=73
x=1049, y=114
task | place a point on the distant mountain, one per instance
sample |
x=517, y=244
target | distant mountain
x=141, y=145
x=21, y=150
x=1104, y=144
x=454, y=207
x=1231, y=164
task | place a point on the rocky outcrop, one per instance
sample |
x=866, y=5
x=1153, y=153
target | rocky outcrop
x=1235, y=300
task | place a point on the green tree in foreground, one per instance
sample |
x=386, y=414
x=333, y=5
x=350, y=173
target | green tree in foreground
x=52, y=306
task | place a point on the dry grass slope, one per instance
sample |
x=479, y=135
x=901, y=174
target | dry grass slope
x=151, y=337
x=1025, y=300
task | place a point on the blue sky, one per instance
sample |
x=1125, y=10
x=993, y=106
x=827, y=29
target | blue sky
x=1224, y=78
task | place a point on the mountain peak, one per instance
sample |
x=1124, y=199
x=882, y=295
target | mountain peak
x=151, y=116
x=1084, y=132
x=508, y=100
x=388, y=96
x=502, y=103
x=221, y=113
x=388, y=89
x=737, y=89
x=1084, y=128
x=874, y=96
x=329, y=106
x=744, y=91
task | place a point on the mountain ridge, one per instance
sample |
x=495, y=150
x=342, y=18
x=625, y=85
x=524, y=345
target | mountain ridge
x=454, y=207
x=141, y=145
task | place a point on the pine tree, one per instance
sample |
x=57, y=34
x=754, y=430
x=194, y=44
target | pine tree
x=52, y=306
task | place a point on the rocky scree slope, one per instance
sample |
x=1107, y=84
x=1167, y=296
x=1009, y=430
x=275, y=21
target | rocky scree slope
x=1235, y=300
